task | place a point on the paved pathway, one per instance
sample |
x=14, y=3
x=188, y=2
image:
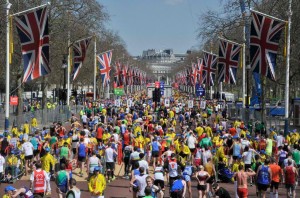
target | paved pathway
x=119, y=187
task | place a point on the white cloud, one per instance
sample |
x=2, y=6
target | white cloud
x=173, y=2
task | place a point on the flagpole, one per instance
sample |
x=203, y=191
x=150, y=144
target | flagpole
x=268, y=16
x=68, y=70
x=8, y=5
x=211, y=88
x=244, y=66
x=107, y=90
x=287, y=77
x=31, y=9
x=95, y=67
x=229, y=41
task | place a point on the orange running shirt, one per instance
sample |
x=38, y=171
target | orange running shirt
x=276, y=171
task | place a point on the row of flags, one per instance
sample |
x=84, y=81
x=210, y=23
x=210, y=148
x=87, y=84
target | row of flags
x=265, y=34
x=264, y=39
x=127, y=75
x=33, y=32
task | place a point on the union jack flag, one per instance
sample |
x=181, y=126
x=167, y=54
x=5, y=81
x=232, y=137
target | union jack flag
x=34, y=36
x=130, y=76
x=199, y=70
x=209, y=68
x=125, y=74
x=105, y=60
x=79, y=51
x=264, y=40
x=118, y=74
x=229, y=54
x=194, y=74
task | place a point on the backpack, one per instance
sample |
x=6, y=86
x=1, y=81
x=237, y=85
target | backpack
x=177, y=185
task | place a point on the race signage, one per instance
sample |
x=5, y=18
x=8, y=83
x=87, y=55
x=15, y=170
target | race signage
x=14, y=100
x=190, y=104
x=129, y=102
x=167, y=102
x=117, y=103
x=203, y=104
x=162, y=87
x=200, y=91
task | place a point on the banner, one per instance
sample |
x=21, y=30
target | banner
x=119, y=91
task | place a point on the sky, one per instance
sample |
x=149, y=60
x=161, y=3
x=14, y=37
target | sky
x=157, y=24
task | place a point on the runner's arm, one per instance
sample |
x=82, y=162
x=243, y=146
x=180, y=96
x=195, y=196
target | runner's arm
x=18, y=192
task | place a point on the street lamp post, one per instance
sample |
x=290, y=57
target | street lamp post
x=7, y=7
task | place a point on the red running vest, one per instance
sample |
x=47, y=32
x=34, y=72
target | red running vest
x=39, y=181
x=289, y=175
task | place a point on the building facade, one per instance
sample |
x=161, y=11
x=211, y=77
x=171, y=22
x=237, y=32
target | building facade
x=161, y=62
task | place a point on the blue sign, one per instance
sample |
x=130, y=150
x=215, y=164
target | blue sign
x=162, y=85
x=200, y=91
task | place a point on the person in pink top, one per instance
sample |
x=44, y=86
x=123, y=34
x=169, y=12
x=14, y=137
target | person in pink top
x=241, y=177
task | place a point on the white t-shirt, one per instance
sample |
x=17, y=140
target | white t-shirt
x=86, y=140
x=141, y=180
x=116, y=137
x=87, y=132
x=27, y=147
x=159, y=173
x=109, y=155
x=84, y=118
x=135, y=155
x=2, y=162
x=94, y=161
x=144, y=163
x=245, y=143
x=280, y=140
x=247, y=156
x=191, y=141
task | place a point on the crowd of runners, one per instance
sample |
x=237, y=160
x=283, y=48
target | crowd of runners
x=160, y=149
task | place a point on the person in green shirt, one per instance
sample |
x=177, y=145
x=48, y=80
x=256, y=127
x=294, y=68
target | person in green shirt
x=62, y=180
x=296, y=155
x=53, y=140
x=269, y=147
x=205, y=142
x=64, y=151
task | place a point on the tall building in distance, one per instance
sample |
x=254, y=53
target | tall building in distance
x=161, y=62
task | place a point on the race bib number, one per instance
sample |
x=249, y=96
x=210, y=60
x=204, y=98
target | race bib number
x=28, y=194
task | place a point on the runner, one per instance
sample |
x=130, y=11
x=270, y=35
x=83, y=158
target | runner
x=241, y=177
x=202, y=177
x=276, y=175
x=97, y=184
x=264, y=177
x=291, y=175
x=110, y=162
x=40, y=181
x=156, y=192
